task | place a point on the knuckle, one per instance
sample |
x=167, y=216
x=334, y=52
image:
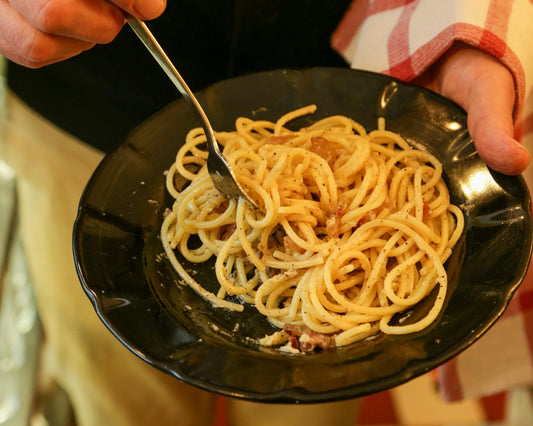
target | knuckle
x=60, y=18
x=108, y=34
x=50, y=17
x=37, y=48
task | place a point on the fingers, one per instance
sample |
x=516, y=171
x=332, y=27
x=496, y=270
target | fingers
x=21, y=42
x=41, y=56
x=142, y=9
x=36, y=33
x=92, y=21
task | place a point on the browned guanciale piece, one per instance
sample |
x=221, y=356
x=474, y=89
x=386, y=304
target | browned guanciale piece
x=305, y=339
x=323, y=147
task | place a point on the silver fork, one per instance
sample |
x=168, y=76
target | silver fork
x=220, y=171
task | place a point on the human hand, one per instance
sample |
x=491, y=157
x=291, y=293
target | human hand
x=485, y=88
x=35, y=33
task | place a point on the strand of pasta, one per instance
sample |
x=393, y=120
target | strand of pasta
x=354, y=227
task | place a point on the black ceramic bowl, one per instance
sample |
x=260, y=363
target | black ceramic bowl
x=136, y=293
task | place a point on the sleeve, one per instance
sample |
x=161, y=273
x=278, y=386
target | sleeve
x=402, y=38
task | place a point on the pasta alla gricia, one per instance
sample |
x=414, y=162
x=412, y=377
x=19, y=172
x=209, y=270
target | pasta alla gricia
x=354, y=227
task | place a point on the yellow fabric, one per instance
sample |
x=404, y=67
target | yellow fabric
x=106, y=383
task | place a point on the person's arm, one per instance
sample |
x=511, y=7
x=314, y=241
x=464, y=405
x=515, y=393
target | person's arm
x=471, y=51
x=35, y=33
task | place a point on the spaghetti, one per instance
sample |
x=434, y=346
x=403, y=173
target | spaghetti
x=353, y=227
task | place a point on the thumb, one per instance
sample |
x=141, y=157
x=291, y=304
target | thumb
x=485, y=88
x=489, y=107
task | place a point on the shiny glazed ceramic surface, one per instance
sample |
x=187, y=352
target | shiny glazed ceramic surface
x=137, y=294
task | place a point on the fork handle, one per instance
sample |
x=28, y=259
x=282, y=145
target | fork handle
x=145, y=35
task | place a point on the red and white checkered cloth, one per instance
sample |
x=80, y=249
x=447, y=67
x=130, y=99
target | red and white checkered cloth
x=403, y=38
